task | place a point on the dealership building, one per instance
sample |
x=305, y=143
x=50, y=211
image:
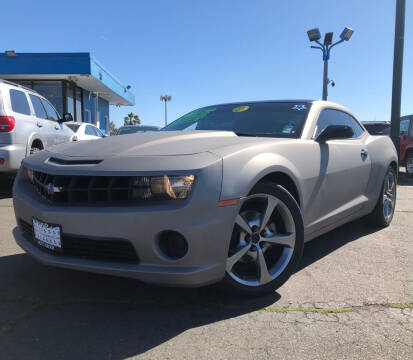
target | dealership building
x=73, y=82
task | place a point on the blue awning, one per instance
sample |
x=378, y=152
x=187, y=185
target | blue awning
x=82, y=68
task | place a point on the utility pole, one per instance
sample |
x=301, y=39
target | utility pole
x=166, y=98
x=314, y=35
x=397, y=73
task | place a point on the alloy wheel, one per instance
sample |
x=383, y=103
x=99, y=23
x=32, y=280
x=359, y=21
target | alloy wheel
x=389, y=196
x=262, y=242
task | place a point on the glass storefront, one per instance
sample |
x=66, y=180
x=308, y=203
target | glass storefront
x=52, y=91
x=78, y=104
x=65, y=96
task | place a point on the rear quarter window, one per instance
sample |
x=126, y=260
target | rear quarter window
x=19, y=103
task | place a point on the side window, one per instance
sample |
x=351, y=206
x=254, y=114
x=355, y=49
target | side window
x=357, y=129
x=38, y=107
x=98, y=132
x=51, y=112
x=19, y=103
x=326, y=118
x=404, y=126
x=336, y=117
x=89, y=130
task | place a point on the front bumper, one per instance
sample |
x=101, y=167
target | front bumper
x=206, y=227
x=12, y=156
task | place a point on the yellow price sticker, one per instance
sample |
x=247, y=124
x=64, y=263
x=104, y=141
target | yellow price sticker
x=241, y=108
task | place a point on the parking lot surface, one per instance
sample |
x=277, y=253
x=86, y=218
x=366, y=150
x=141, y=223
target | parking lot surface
x=351, y=298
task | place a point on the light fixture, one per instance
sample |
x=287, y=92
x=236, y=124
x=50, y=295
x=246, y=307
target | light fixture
x=346, y=34
x=328, y=38
x=314, y=34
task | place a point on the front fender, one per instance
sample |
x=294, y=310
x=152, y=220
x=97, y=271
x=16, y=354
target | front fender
x=240, y=176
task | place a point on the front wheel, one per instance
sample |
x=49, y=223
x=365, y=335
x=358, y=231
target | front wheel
x=267, y=241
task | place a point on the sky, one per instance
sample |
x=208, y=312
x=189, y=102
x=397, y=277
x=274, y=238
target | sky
x=216, y=51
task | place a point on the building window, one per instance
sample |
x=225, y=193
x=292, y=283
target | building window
x=88, y=116
x=52, y=91
x=106, y=129
x=70, y=105
x=78, y=104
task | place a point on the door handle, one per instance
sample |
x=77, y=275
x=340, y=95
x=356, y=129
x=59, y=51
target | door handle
x=364, y=153
x=39, y=124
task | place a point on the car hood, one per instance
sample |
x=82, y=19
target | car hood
x=163, y=143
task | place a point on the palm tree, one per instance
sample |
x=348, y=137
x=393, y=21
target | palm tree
x=131, y=119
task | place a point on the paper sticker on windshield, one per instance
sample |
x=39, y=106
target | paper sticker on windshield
x=240, y=108
x=299, y=107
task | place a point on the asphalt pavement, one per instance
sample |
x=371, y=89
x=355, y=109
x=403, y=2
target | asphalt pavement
x=351, y=298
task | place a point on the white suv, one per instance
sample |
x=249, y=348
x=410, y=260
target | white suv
x=28, y=123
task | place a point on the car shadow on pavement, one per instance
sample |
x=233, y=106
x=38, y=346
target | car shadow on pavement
x=325, y=244
x=52, y=313
x=6, y=187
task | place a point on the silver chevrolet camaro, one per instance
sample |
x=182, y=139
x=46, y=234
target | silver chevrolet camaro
x=225, y=193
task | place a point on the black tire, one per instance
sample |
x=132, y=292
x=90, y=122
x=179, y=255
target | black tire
x=288, y=200
x=34, y=150
x=409, y=165
x=377, y=217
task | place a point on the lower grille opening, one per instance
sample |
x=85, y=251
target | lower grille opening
x=117, y=250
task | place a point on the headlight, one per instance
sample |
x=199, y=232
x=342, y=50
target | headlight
x=162, y=187
x=30, y=174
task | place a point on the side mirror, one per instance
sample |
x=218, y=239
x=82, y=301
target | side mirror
x=335, y=132
x=66, y=117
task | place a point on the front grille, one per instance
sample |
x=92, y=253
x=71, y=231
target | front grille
x=77, y=189
x=117, y=250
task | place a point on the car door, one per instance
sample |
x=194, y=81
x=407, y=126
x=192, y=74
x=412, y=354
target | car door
x=45, y=128
x=345, y=169
x=56, y=129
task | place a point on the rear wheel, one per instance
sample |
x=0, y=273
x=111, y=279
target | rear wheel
x=382, y=214
x=267, y=241
x=409, y=165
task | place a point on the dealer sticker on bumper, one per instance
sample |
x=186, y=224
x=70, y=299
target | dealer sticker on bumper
x=47, y=235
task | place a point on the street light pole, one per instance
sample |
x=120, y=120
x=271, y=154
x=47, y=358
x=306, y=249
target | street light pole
x=397, y=73
x=166, y=98
x=314, y=35
x=325, y=79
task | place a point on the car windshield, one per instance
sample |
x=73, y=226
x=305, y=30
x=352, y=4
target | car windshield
x=73, y=127
x=133, y=130
x=269, y=119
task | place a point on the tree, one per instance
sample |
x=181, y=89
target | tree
x=113, y=128
x=131, y=119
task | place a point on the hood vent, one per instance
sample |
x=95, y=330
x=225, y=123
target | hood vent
x=54, y=160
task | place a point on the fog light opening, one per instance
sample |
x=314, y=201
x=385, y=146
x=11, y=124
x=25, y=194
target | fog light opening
x=172, y=244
